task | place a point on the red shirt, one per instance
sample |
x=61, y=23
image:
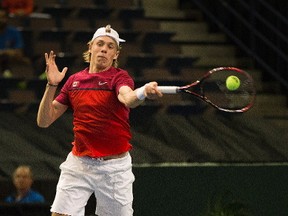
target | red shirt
x=101, y=121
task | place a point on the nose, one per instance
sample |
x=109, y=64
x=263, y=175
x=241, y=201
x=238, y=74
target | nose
x=104, y=49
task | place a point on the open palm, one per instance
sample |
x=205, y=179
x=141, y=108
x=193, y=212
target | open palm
x=54, y=76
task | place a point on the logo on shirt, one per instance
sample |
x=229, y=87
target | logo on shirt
x=100, y=83
x=75, y=84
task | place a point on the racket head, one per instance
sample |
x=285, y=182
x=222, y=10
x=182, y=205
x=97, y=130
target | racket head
x=212, y=89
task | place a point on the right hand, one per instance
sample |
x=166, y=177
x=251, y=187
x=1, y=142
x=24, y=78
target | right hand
x=151, y=91
x=54, y=76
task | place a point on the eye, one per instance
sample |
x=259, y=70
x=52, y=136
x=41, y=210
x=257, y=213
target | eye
x=100, y=43
x=111, y=46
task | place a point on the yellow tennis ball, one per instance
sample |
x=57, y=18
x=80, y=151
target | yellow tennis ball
x=232, y=83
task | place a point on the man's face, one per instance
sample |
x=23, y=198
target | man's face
x=104, y=51
x=22, y=179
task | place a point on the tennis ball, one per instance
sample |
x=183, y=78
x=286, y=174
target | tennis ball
x=232, y=83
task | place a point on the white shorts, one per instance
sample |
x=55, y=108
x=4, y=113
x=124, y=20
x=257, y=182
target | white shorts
x=110, y=180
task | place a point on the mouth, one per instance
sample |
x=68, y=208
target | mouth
x=101, y=57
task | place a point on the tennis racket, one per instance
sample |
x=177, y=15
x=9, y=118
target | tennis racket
x=214, y=89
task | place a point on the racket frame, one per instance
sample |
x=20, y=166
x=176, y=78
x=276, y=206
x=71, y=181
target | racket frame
x=185, y=89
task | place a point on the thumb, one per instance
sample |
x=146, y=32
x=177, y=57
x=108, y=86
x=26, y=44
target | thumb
x=65, y=69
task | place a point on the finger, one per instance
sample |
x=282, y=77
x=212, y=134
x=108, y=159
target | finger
x=51, y=54
x=46, y=58
x=158, y=93
x=65, y=69
x=154, y=84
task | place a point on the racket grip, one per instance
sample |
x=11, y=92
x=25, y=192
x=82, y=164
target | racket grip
x=168, y=89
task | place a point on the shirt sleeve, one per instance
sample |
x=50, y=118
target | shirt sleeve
x=123, y=79
x=63, y=97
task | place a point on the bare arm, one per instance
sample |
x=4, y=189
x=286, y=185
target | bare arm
x=49, y=109
x=131, y=99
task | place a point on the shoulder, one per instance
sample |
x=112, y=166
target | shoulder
x=122, y=78
x=119, y=70
x=120, y=73
x=77, y=75
x=36, y=196
x=9, y=199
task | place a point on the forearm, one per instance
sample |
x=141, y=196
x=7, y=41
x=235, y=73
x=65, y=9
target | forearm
x=129, y=97
x=138, y=97
x=46, y=111
x=134, y=98
x=49, y=109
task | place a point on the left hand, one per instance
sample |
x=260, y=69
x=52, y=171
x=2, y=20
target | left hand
x=54, y=76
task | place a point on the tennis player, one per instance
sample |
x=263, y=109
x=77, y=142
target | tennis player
x=100, y=96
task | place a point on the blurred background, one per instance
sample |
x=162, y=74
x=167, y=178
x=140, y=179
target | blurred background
x=189, y=159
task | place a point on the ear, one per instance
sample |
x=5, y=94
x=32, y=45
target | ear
x=89, y=46
x=116, y=55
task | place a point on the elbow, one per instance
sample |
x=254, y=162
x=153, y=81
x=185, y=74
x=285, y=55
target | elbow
x=131, y=105
x=129, y=100
x=42, y=124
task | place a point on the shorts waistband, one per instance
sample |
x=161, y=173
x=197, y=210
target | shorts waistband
x=110, y=157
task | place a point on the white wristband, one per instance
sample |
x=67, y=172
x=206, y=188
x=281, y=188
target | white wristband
x=140, y=93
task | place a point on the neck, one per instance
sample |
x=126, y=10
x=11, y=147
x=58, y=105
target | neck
x=95, y=69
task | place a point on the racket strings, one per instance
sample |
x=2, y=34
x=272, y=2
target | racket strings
x=215, y=90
